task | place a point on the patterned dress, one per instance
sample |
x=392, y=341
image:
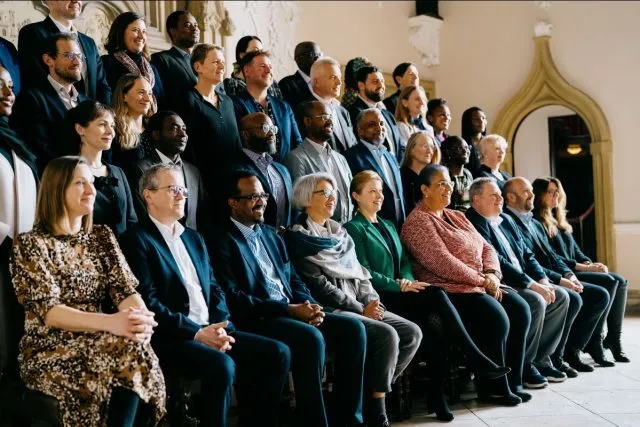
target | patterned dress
x=80, y=369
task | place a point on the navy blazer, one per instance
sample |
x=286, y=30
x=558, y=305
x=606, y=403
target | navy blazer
x=175, y=72
x=38, y=116
x=243, y=280
x=529, y=269
x=290, y=138
x=359, y=105
x=553, y=266
x=360, y=159
x=295, y=89
x=30, y=42
x=161, y=284
x=9, y=60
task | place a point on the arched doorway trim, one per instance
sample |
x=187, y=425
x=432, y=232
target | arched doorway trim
x=546, y=86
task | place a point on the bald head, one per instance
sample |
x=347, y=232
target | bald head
x=306, y=54
x=258, y=133
x=518, y=194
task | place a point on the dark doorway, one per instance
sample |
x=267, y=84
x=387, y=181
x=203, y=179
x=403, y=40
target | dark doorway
x=571, y=163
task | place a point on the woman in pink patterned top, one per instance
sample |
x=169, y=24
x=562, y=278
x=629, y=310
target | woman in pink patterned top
x=450, y=253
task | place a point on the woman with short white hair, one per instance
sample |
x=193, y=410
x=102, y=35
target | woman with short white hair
x=492, y=152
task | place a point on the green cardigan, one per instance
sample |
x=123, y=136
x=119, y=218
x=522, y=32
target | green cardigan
x=374, y=254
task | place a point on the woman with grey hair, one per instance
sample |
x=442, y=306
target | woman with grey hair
x=492, y=152
x=421, y=150
x=324, y=255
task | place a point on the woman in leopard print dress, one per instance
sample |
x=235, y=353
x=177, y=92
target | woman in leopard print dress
x=99, y=366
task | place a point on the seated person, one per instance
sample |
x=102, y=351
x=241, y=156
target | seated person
x=548, y=302
x=91, y=130
x=420, y=152
x=38, y=114
x=316, y=155
x=449, y=253
x=587, y=302
x=410, y=112
x=549, y=207
x=404, y=75
x=266, y=297
x=378, y=248
x=474, y=128
x=296, y=88
x=169, y=138
x=439, y=117
x=195, y=337
x=324, y=255
x=257, y=70
x=492, y=149
x=455, y=155
x=98, y=366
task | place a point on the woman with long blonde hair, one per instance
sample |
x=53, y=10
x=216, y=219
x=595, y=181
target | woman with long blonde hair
x=410, y=112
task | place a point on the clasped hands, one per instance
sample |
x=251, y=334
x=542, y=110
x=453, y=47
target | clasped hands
x=134, y=323
x=492, y=285
x=215, y=336
x=572, y=283
x=307, y=312
x=373, y=310
x=411, y=286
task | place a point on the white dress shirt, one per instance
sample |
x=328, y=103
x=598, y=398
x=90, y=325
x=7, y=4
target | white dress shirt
x=69, y=99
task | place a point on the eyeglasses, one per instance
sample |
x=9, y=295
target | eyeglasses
x=324, y=117
x=71, y=56
x=254, y=197
x=312, y=55
x=174, y=190
x=327, y=192
x=265, y=128
x=443, y=184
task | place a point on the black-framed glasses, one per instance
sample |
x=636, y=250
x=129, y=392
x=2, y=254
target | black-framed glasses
x=174, y=190
x=266, y=127
x=71, y=56
x=312, y=55
x=327, y=192
x=254, y=197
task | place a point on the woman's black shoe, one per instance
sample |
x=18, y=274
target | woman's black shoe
x=493, y=373
x=572, y=357
x=437, y=404
x=506, y=400
x=597, y=354
x=616, y=349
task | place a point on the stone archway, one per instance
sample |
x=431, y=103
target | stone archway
x=546, y=86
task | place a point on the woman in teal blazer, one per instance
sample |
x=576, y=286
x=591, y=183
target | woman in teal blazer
x=379, y=250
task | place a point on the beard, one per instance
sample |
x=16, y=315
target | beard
x=69, y=76
x=262, y=145
x=374, y=96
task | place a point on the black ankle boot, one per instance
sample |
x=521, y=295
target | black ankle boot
x=436, y=403
x=572, y=357
x=613, y=343
x=407, y=397
x=596, y=351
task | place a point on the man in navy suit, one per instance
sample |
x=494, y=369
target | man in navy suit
x=370, y=93
x=258, y=74
x=267, y=297
x=39, y=111
x=93, y=83
x=195, y=337
x=549, y=303
x=296, y=88
x=371, y=154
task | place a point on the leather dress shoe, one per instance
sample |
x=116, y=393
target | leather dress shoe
x=563, y=366
x=523, y=395
x=501, y=400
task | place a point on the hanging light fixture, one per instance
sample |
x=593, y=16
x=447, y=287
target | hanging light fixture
x=574, y=149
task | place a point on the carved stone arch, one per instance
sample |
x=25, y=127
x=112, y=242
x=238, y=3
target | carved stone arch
x=546, y=86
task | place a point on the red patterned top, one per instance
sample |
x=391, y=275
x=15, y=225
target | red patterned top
x=450, y=256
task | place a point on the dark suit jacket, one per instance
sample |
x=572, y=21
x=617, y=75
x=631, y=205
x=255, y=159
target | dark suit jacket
x=114, y=204
x=198, y=203
x=395, y=138
x=34, y=71
x=288, y=128
x=512, y=275
x=243, y=280
x=161, y=284
x=485, y=172
x=176, y=74
x=38, y=116
x=9, y=60
x=294, y=89
x=568, y=250
x=360, y=159
x=242, y=161
x=554, y=267
x=392, y=101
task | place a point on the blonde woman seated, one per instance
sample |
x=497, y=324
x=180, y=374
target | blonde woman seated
x=379, y=250
x=99, y=366
x=421, y=151
x=324, y=255
x=492, y=151
x=410, y=112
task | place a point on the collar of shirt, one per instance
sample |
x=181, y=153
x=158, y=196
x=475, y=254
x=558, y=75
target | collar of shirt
x=62, y=28
x=61, y=89
x=495, y=221
x=165, y=160
x=166, y=232
x=331, y=101
x=184, y=54
x=370, y=104
x=305, y=77
x=320, y=148
x=263, y=158
x=372, y=147
x=524, y=216
x=248, y=232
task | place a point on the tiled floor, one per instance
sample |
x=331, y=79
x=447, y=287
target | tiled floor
x=606, y=397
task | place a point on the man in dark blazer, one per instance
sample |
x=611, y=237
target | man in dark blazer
x=326, y=80
x=370, y=93
x=371, y=154
x=257, y=70
x=39, y=111
x=60, y=20
x=174, y=65
x=169, y=137
x=549, y=303
x=9, y=60
x=195, y=337
x=267, y=297
x=257, y=152
x=587, y=302
x=296, y=87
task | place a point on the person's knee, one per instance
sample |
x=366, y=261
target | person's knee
x=385, y=336
x=223, y=370
x=575, y=301
x=601, y=297
x=353, y=330
x=537, y=305
x=281, y=356
x=562, y=298
x=310, y=341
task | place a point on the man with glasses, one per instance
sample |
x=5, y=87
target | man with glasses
x=316, y=155
x=38, y=114
x=31, y=38
x=258, y=135
x=296, y=88
x=195, y=337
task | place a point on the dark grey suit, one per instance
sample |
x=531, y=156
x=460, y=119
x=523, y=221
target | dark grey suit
x=176, y=74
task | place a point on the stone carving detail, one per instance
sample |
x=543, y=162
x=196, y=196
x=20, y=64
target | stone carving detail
x=542, y=28
x=424, y=35
x=95, y=23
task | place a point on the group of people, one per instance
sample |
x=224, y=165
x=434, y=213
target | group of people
x=162, y=220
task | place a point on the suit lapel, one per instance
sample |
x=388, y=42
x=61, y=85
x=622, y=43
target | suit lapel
x=163, y=248
x=201, y=269
x=181, y=62
x=268, y=246
x=369, y=158
x=373, y=231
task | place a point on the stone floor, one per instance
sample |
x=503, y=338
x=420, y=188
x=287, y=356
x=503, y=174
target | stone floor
x=606, y=397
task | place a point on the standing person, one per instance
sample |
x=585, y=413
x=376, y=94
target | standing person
x=474, y=128
x=404, y=75
x=296, y=88
x=439, y=117
x=10, y=62
x=420, y=152
x=350, y=82
x=93, y=83
x=410, y=110
x=455, y=155
x=63, y=271
x=492, y=149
